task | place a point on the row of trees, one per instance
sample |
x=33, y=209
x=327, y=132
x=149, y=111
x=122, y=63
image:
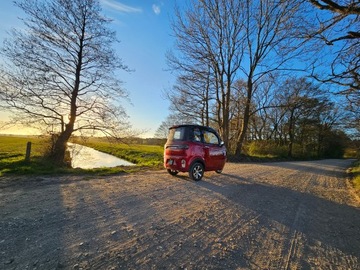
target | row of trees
x=295, y=116
x=235, y=62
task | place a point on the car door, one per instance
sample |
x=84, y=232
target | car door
x=215, y=153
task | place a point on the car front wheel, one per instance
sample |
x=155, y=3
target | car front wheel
x=196, y=171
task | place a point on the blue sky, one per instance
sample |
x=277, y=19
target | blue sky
x=144, y=30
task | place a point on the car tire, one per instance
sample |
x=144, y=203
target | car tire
x=196, y=171
x=172, y=172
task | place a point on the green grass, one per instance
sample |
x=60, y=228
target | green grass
x=12, y=155
x=355, y=171
x=13, y=149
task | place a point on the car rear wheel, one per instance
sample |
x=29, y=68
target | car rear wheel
x=196, y=171
x=172, y=172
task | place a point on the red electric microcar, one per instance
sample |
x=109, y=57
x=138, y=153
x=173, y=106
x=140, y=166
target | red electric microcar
x=194, y=149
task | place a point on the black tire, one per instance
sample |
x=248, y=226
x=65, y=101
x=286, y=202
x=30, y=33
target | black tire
x=172, y=172
x=218, y=171
x=196, y=171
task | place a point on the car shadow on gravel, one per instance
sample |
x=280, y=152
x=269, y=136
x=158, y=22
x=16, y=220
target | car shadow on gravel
x=322, y=221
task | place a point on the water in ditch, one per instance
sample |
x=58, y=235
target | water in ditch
x=88, y=158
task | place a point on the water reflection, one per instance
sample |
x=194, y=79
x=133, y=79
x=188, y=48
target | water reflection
x=87, y=158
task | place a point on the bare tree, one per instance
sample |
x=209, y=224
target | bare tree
x=336, y=24
x=268, y=46
x=173, y=119
x=341, y=11
x=263, y=99
x=191, y=97
x=303, y=104
x=60, y=71
x=236, y=40
x=208, y=44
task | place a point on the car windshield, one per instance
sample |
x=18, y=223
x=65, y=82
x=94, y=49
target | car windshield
x=176, y=134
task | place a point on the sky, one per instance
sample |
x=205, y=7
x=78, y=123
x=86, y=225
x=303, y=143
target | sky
x=144, y=30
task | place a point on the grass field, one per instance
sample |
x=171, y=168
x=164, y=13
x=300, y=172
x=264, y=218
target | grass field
x=12, y=155
x=13, y=150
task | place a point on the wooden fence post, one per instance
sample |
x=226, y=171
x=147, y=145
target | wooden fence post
x=28, y=152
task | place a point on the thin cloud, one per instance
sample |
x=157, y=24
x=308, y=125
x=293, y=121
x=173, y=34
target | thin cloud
x=120, y=7
x=156, y=9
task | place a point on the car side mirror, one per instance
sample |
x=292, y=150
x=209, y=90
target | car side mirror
x=221, y=144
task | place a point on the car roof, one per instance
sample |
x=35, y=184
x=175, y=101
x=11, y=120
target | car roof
x=193, y=125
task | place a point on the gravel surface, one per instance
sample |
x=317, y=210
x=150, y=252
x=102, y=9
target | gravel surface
x=288, y=215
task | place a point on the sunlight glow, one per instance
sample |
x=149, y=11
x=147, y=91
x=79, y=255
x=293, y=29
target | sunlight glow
x=17, y=130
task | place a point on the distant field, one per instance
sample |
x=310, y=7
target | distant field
x=13, y=149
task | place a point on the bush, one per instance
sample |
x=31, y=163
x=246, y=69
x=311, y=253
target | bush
x=304, y=152
x=267, y=149
x=355, y=171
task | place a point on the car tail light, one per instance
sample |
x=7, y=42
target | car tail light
x=178, y=147
x=183, y=163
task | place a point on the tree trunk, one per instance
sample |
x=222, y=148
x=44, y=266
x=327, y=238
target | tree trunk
x=244, y=128
x=57, y=156
x=291, y=134
x=59, y=149
x=245, y=123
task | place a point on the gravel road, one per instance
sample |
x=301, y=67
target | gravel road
x=288, y=215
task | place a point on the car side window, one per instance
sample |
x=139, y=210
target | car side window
x=197, y=135
x=210, y=137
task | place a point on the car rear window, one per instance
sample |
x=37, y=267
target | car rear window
x=177, y=134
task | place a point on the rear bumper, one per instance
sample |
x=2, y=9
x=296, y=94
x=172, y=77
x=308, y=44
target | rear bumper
x=176, y=163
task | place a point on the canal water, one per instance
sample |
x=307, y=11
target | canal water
x=88, y=158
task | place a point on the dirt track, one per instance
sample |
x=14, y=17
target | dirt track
x=291, y=215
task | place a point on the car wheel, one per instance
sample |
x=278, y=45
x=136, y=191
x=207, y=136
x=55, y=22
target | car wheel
x=172, y=172
x=218, y=171
x=196, y=171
